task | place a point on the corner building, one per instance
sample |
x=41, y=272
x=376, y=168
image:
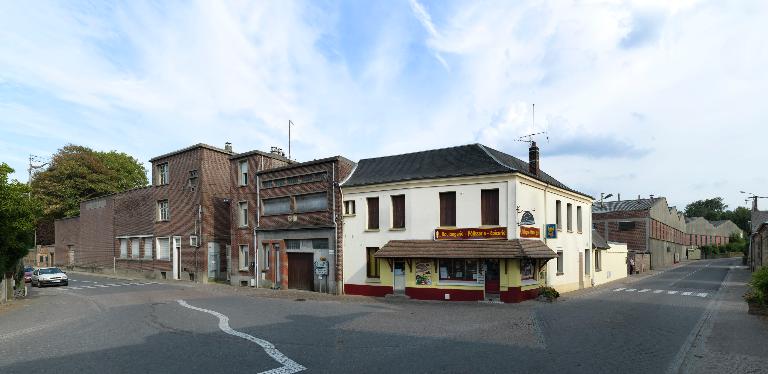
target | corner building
x=463, y=223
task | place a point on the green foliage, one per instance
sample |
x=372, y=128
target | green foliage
x=759, y=284
x=79, y=173
x=548, y=293
x=710, y=209
x=18, y=213
x=740, y=216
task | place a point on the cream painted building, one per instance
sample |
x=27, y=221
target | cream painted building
x=463, y=223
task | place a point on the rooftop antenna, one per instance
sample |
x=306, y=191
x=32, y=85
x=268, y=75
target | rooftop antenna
x=529, y=137
x=290, y=123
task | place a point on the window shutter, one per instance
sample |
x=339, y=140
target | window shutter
x=489, y=207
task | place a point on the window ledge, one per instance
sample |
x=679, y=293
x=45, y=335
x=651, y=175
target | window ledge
x=349, y=215
x=558, y=274
x=372, y=230
x=570, y=231
x=243, y=269
x=372, y=280
x=397, y=229
x=243, y=227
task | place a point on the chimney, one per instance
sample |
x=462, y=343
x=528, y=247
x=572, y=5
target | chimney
x=228, y=147
x=754, y=203
x=618, y=197
x=651, y=197
x=533, y=159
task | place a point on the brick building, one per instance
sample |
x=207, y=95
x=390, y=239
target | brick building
x=646, y=225
x=758, y=243
x=298, y=224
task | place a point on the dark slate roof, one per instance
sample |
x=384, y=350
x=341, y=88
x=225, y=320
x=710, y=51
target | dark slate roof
x=624, y=205
x=515, y=248
x=758, y=218
x=598, y=241
x=307, y=163
x=461, y=161
x=265, y=154
x=198, y=145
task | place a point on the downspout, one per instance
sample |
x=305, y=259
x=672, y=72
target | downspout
x=546, y=187
x=335, y=230
x=256, y=271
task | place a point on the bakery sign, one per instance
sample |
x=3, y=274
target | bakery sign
x=530, y=232
x=471, y=234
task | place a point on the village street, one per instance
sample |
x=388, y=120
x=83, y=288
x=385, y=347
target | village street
x=664, y=322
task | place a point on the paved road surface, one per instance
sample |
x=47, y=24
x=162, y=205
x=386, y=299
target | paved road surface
x=99, y=325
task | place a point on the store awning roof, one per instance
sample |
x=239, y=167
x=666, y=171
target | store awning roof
x=515, y=248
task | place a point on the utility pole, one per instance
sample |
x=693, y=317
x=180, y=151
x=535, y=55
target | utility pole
x=290, y=123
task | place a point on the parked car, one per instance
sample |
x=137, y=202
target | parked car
x=46, y=276
x=28, y=274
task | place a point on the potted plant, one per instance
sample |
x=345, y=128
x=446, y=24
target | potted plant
x=548, y=294
x=757, y=297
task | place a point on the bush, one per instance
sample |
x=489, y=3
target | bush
x=759, y=285
x=548, y=293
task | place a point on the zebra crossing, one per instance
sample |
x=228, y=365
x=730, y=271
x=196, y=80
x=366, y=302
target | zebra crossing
x=663, y=292
x=85, y=284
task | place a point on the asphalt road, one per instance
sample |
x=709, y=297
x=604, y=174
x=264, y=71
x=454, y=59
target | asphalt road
x=98, y=325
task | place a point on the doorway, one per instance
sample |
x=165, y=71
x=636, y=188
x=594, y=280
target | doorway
x=301, y=271
x=176, y=257
x=492, y=279
x=399, y=277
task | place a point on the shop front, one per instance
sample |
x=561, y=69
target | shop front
x=500, y=270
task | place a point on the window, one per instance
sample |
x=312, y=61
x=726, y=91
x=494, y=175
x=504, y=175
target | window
x=398, y=212
x=320, y=244
x=242, y=213
x=243, y=258
x=489, y=207
x=242, y=178
x=162, y=174
x=123, y=248
x=280, y=205
x=193, y=179
x=598, y=260
x=148, y=248
x=163, y=248
x=558, y=214
x=578, y=219
x=294, y=180
x=586, y=261
x=162, y=210
x=372, y=268
x=312, y=202
x=459, y=269
x=373, y=213
x=569, y=216
x=559, y=262
x=448, y=208
x=135, y=251
x=266, y=184
x=626, y=225
x=349, y=207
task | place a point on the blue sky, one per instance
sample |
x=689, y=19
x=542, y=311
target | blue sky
x=639, y=98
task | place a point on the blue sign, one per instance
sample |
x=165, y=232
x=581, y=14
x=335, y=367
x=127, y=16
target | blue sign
x=551, y=231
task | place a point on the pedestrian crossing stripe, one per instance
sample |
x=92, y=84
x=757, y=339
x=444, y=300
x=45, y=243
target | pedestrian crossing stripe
x=644, y=290
x=108, y=285
x=668, y=292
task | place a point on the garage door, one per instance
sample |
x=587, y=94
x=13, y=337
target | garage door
x=300, y=271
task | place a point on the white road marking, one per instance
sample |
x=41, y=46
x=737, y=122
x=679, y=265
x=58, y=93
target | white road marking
x=619, y=289
x=671, y=292
x=89, y=287
x=75, y=288
x=289, y=366
x=658, y=291
x=101, y=285
x=644, y=290
x=631, y=289
x=113, y=285
x=701, y=294
x=687, y=293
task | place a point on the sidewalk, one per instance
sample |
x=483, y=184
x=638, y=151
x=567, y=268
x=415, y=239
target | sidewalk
x=730, y=341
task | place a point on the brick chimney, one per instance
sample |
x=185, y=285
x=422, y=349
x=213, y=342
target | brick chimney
x=228, y=147
x=754, y=203
x=533, y=159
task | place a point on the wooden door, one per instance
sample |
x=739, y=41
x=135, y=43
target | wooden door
x=492, y=281
x=301, y=274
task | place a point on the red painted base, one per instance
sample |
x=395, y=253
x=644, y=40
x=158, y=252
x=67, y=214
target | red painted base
x=439, y=294
x=515, y=295
x=367, y=290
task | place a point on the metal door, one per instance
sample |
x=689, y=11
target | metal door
x=213, y=260
x=399, y=277
x=301, y=271
x=176, y=257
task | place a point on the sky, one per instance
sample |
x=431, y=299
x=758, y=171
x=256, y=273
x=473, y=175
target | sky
x=636, y=98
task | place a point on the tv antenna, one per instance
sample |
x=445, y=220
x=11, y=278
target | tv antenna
x=529, y=137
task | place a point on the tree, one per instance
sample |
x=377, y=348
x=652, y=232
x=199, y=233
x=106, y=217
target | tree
x=78, y=173
x=710, y=209
x=18, y=213
x=740, y=216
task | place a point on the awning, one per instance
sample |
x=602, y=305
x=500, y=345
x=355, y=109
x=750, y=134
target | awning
x=515, y=248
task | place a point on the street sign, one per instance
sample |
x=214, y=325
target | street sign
x=321, y=268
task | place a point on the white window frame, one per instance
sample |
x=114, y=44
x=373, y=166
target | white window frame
x=135, y=252
x=242, y=255
x=559, y=215
x=242, y=213
x=160, y=256
x=349, y=207
x=162, y=174
x=123, y=248
x=160, y=210
x=242, y=175
x=148, y=244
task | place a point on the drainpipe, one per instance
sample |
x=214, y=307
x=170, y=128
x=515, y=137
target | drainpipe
x=335, y=230
x=546, y=187
x=256, y=270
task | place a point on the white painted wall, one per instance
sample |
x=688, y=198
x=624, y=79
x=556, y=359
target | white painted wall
x=614, y=264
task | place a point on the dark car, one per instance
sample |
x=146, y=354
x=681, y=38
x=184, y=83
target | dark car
x=28, y=274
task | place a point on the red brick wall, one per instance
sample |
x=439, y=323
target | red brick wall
x=607, y=225
x=67, y=233
x=96, y=234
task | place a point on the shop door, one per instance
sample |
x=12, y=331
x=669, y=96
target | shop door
x=492, y=276
x=301, y=271
x=399, y=277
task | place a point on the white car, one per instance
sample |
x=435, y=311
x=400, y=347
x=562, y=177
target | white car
x=46, y=276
